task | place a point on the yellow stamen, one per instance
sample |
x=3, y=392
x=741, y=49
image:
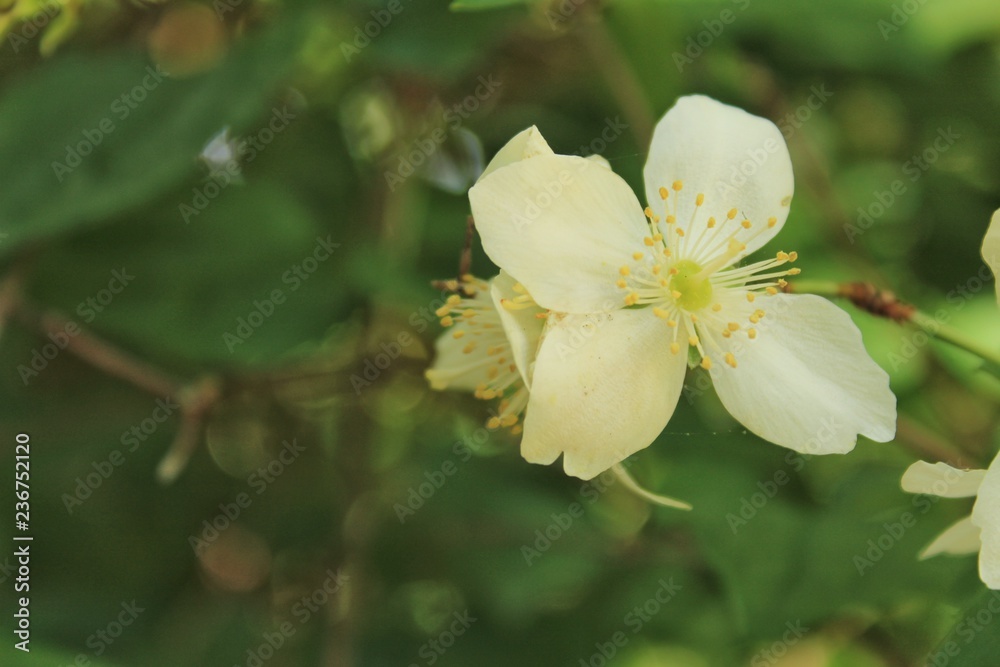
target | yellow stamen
x=730, y=359
x=706, y=363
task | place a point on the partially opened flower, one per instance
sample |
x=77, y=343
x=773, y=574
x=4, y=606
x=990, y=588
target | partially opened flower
x=489, y=348
x=978, y=532
x=991, y=249
x=631, y=291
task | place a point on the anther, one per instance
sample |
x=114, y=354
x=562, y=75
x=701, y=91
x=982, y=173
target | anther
x=746, y=224
x=732, y=213
x=699, y=200
x=624, y=271
x=706, y=363
x=751, y=296
x=664, y=193
x=730, y=359
x=677, y=186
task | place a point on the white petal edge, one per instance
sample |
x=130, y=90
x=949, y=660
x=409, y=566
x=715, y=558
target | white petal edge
x=940, y=479
x=737, y=160
x=562, y=226
x=525, y=144
x=604, y=388
x=960, y=538
x=986, y=515
x=991, y=250
x=806, y=381
x=523, y=329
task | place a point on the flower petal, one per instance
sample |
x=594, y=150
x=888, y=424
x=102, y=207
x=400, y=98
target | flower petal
x=991, y=249
x=525, y=144
x=986, y=515
x=962, y=537
x=604, y=387
x=736, y=160
x=523, y=328
x=940, y=479
x=455, y=369
x=562, y=226
x=805, y=382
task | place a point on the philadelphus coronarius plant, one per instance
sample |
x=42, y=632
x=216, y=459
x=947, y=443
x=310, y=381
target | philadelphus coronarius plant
x=627, y=295
x=991, y=249
x=978, y=532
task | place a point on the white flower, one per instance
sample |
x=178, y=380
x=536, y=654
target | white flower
x=978, y=532
x=630, y=290
x=489, y=349
x=991, y=249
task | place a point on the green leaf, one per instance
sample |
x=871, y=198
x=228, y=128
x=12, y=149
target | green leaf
x=87, y=148
x=484, y=5
x=975, y=639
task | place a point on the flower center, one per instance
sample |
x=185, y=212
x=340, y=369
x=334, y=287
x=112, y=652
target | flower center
x=694, y=287
x=688, y=274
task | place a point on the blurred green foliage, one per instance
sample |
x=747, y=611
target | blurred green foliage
x=367, y=86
